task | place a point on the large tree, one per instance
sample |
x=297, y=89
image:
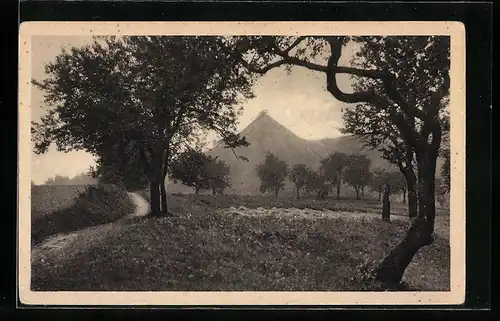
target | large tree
x=422, y=69
x=141, y=92
x=357, y=172
x=272, y=173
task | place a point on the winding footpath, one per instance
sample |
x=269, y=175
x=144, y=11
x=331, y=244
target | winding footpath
x=64, y=244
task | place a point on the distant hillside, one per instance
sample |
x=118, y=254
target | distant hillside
x=266, y=134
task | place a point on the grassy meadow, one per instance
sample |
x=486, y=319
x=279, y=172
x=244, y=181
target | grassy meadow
x=207, y=247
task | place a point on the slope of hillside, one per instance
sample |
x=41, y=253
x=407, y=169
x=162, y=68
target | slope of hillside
x=267, y=135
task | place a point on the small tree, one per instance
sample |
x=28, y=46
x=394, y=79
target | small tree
x=357, y=172
x=191, y=168
x=298, y=175
x=316, y=183
x=398, y=184
x=272, y=173
x=218, y=175
x=333, y=168
x=377, y=182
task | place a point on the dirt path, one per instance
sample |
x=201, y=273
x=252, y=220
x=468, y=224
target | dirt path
x=441, y=223
x=71, y=243
x=142, y=206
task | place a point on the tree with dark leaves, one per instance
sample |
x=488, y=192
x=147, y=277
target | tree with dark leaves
x=298, y=176
x=142, y=92
x=357, y=172
x=191, y=168
x=218, y=173
x=333, y=168
x=272, y=173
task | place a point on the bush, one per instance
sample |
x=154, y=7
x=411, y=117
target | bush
x=97, y=204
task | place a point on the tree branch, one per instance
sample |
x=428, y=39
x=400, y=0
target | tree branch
x=294, y=44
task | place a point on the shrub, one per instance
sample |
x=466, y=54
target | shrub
x=97, y=204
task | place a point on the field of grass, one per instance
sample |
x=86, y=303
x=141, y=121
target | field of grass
x=345, y=205
x=77, y=208
x=204, y=248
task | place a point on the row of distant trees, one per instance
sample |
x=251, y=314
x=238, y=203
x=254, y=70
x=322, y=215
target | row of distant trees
x=80, y=179
x=334, y=171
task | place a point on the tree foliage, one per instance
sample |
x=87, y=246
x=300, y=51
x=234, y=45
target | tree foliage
x=141, y=92
x=218, y=172
x=80, y=179
x=357, y=172
x=333, y=169
x=298, y=175
x=272, y=173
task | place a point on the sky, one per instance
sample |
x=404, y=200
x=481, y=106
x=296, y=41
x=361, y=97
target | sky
x=298, y=101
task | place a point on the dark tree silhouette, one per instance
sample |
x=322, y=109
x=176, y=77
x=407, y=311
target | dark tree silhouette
x=142, y=92
x=357, y=172
x=333, y=168
x=218, y=175
x=298, y=176
x=191, y=168
x=272, y=173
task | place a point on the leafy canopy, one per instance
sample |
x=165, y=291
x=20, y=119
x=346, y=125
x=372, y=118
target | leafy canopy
x=142, y=92
x=272, y=173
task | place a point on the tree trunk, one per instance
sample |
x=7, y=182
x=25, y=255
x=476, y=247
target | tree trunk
x=155, y=198
x=357, y=192
x=362, y=192
x=276, y=191
x=214, y=190
x=411, y=184
x=163, y=195
x=404, y=196
x=392, y=268
x=298, y=193
x=412, y=203
x=386, y=205
x=379, y=196
x=338, y=191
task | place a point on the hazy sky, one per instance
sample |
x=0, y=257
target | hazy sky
x=299, y=101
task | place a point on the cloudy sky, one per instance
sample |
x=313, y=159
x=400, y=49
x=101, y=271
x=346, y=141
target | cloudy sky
x=299, y=101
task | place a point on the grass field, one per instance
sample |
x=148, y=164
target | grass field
x=347, y=205
x=205, y=247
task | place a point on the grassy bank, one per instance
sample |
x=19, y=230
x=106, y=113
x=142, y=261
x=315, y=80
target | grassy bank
x=92, y=205
x=47, y=199
x=205, y=249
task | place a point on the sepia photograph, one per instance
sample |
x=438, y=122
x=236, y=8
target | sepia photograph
x=242, y=163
